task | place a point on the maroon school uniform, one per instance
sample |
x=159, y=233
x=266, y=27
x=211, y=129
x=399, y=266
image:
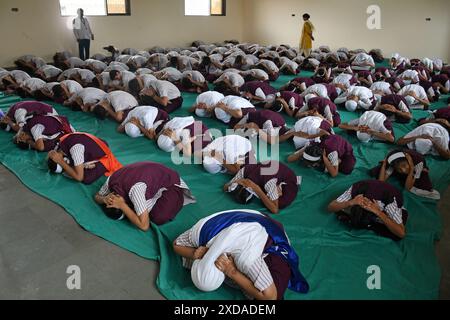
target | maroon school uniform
x=252, y=86
x=422, y=183
x=205, y=138
x=365, y=75
x=443, y=113
x=332, y=92
x=394, y=100
x=307, y=81
x=393, y=80
x=385, y=72
x=173, y=105
x=386, y=194
x=344, y=149
x=53, y=125
x=260, y=117
x=235, y=121
x=32, y=108
x=321, y=103
x=288, y=95
x=92, y=152
x=156, y=177
x=284, y=176
x=440, y=78
x=278, y=267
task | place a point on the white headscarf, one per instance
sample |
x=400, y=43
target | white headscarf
x=423, y=146
x=166, y=144
x=351, y=105
x=245, y=242
x=132, y=130
x=374, y=120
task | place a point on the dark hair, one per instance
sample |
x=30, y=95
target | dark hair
x=321, y=72
x=436, y=97
x=361, y=218
x=100, y=112
x=306, y=16
x=23, y=145
x=134, y=87
x=3, y=126
x=277, y=106
x=313, y=150
x=21, y=92
x=52, y=165
x=206, y=61
x=58, y=91
x=241, y=194
x=114, y=214
x=174, y=61
x=239, y=59
x=277, y=61
x=95, y=83
x=113, y=74
x=186, y=83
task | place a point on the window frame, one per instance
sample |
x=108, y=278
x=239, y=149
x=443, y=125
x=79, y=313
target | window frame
x=107, y=14
x=224, y=10
x=127, y=9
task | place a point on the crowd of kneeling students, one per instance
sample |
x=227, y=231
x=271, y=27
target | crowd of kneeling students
x=140, y=89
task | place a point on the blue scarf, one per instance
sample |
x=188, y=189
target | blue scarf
x=280, y=247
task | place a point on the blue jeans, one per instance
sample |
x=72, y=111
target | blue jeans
x=84, y=46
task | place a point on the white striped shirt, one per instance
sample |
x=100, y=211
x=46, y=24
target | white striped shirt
x=392, y=210
x=271, y=187
x=77, y=154
x=137, y=195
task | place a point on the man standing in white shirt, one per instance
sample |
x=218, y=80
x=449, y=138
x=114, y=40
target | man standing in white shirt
x=83, y=34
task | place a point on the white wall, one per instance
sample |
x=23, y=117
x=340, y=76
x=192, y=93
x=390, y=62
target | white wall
x=343, y=23
x=38, y=27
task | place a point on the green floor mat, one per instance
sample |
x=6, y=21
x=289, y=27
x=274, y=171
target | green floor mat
x=333, y=259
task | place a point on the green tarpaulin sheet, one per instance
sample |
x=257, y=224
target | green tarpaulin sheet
x=333, y=258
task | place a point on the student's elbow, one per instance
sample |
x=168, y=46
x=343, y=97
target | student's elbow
x=334, y=173
x=401, y=232
x=269, y=294
x=144, y=227
x=391, y=139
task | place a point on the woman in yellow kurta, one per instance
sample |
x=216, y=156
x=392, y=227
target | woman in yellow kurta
x=307, y=36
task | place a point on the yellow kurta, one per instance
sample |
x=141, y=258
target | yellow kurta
x=306, y=41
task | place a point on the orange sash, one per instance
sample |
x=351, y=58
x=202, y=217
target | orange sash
x=109, y=161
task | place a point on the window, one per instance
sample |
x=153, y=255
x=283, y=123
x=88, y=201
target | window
x=118, y=7
x=95, y=7
x=205, y=7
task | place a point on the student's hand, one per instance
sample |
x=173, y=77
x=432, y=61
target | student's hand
x=412, y=94
x=135, y=121
x=410, y=161
x=202, y=106
x=115, y=202
x=226, y=264
x=324, y=133
x=443, y=122
x=371, y=206
x=425, y=137
x=6, y=120
x=388, y=107
x=200, y=253
x=253, y=126
x=56, y=157
x=358, y=200
x=92, y=38
x=246, y=183
x=301, y=134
